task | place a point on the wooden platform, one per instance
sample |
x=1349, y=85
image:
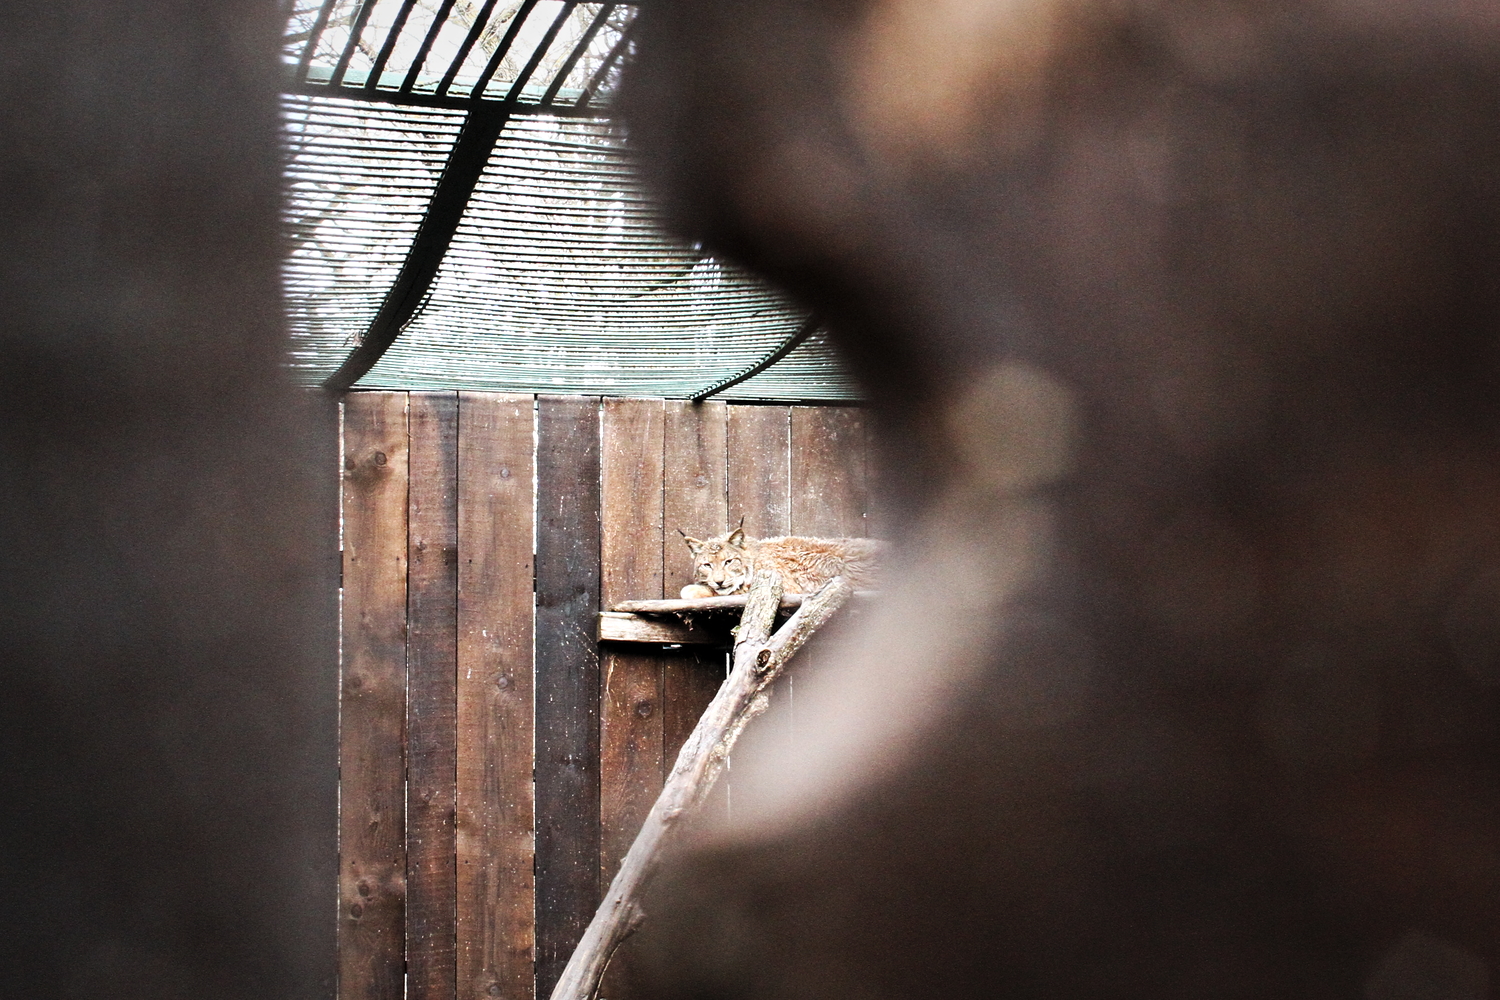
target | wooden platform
x=621, y=626
x=703, y=621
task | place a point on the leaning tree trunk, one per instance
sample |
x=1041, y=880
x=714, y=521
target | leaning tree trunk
x=759, y=658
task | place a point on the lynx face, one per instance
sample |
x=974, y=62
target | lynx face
x=722, y=564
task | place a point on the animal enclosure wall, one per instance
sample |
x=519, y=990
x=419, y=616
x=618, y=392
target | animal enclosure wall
x=495, y=760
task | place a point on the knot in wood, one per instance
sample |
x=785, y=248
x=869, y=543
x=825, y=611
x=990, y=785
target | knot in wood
x=762, y=661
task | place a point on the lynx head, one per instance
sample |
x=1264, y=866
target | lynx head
x=721, y=563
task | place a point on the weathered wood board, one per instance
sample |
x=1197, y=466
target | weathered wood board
x=567, y=678
x=372, y=710
x=630, y=717
x=495, y=817
x=828, y=497
x=693, y=500
x=431, y=693
x=619, y=626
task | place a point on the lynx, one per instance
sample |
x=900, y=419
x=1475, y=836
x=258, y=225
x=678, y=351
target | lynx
x=727, y=563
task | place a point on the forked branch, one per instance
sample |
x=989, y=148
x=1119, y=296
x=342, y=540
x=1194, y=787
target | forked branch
x=759, y=658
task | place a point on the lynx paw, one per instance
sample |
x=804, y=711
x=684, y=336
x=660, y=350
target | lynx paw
x=693, y=591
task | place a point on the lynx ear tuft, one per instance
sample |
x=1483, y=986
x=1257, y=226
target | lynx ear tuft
x=737, y=536
x=694, y=544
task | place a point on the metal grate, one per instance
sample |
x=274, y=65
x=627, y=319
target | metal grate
x=812, y=372
x=560, y=279
x=359, y=177
x=553, y=57
x=461, y=215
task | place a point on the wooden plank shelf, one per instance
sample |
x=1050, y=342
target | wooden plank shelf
x=698, y=621
x=620, y=626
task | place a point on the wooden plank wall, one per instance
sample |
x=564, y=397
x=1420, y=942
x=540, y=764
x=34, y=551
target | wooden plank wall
x=495, y=761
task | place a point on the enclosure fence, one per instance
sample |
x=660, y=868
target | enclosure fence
x=495, y=759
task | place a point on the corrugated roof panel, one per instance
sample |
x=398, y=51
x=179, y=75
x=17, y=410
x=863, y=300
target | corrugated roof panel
x=359, y=177
x=561, y=279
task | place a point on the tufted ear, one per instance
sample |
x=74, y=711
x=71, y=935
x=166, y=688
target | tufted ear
x=694, y=544
x=737, y=536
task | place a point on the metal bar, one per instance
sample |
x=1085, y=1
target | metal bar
x=578, y=51
x=475, y=30
x=440, y=19
x=444, y=213
x=503, y=49
x=312, y=39
x=809, y=326
x=609, y=61
x=390, y=43
x=540, y=53
x=356, y=28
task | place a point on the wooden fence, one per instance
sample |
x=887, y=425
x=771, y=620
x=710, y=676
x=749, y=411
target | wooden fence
x=495, y=762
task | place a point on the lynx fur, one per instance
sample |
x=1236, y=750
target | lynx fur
x=727, y=563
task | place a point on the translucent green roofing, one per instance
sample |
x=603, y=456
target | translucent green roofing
x=557, y=276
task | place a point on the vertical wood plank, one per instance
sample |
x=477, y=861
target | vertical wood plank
x=494, y=839
x=829, y=488
x=695, y=501
x=431, y=694
x=758, y=483
x=372, y=862
x=630, y=710
x=829, y=499
x=759, y=470
x=567, y=678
